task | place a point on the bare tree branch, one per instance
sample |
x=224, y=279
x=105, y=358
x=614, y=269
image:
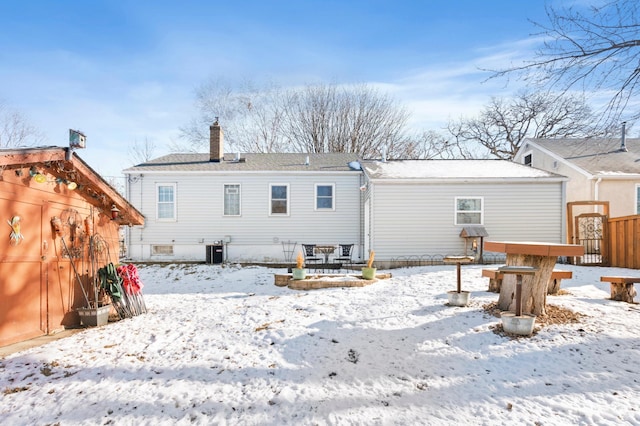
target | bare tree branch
x=593, y=50
x=141, y=152
x=504, y=123
x=15, y=130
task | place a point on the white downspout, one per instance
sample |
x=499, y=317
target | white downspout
x=596, y=193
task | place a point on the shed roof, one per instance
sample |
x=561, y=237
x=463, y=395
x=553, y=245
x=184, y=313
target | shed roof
x=281, y=162
x=597, y=156
x=454, y=170
x=64, y=163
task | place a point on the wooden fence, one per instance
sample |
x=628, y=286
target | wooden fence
x=624, y=242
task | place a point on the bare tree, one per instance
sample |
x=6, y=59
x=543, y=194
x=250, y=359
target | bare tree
x=429, y=145
x=330, y=118
x=315, y=118
x=141, y=152
x=504, y=123
x=251, y=115
x=15, y=130
x=595, y=49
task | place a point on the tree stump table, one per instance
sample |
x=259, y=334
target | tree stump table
x=543, y=257
x=622, y=287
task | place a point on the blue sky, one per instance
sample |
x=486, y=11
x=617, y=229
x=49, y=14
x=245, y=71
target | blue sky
x=122, y=71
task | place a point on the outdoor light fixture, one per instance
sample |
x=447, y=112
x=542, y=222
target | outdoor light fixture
x=114, y=212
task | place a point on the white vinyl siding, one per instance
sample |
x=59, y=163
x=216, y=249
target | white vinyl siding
x=469, y=211
x=278, y=199
x=166, y=202
x=415, y=220
x=324, y=196
x=232, y=200
x=254, y=236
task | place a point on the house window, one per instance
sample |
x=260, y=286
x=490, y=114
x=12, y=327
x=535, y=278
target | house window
x=231, y=200
x=527, y=160
x=637, y=199
x=324, y=197
x=161, y=250
x=469, y=211
x=279, y=202
x=166, y=202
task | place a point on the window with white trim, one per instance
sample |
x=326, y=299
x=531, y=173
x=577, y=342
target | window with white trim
x=469, y=211
x=278, y=199
x=324, y=196
x=166, y=201
x=527, y=159
x=232, y=200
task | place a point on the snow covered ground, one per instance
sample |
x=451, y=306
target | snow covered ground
x=224, y=345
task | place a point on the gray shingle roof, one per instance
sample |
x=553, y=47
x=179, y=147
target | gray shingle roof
x=596, y=155
x=282, y=162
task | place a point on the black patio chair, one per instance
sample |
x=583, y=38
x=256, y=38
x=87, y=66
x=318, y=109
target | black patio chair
x=310, y=257
x=344, y=254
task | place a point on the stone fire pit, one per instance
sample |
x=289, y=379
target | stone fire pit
x=315, y=281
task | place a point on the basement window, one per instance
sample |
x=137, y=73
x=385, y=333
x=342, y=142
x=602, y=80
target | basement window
x=162, y=250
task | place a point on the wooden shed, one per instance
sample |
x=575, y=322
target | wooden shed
x=43, y=273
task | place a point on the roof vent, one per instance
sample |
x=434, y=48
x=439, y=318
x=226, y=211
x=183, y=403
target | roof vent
x=623, y=141
x=306, y=161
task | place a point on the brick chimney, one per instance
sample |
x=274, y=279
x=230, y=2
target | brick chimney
x=216, y=142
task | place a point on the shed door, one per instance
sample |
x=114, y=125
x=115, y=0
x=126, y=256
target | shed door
x=22, y=295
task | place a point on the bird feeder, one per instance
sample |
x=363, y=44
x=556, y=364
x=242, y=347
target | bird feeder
x=474, y=240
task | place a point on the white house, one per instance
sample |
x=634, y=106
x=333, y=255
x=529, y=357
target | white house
x=252, y=206
x=598, y=169
x=420, y=207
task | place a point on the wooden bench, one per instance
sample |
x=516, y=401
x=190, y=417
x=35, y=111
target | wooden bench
x=622, y=287
x=495, y=279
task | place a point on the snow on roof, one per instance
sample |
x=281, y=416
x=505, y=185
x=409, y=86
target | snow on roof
x=598, y=156
x=452, y=169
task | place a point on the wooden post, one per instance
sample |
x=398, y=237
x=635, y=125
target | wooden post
x=518, y=271
x=518, y=295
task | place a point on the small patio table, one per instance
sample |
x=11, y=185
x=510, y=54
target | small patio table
x=326, y=250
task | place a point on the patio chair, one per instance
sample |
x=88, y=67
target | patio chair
x=309, y=255
x=344, y=253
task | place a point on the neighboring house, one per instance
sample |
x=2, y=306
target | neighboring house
x=42, y=271
x=252, y=206
x=598, y=169
x=418, y=208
